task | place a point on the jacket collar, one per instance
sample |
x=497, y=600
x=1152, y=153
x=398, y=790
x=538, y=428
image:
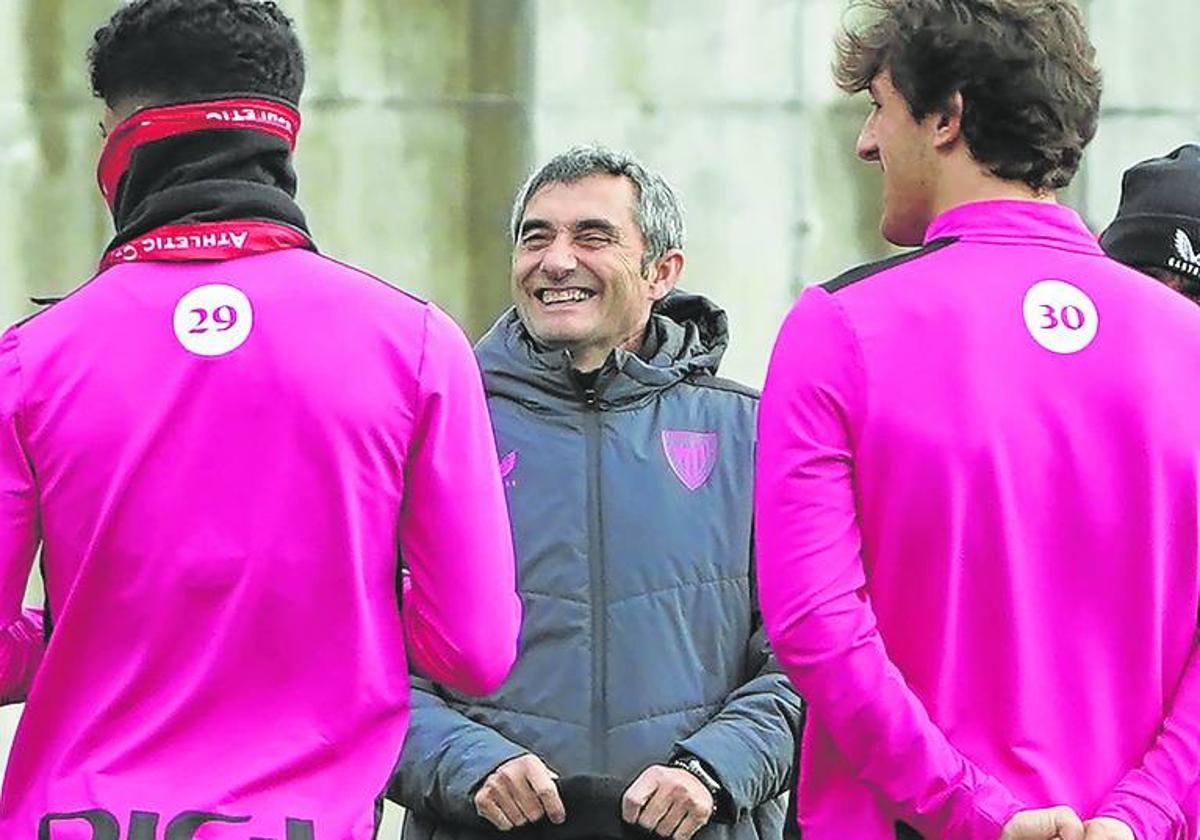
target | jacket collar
x=195, y=163
x=1015, y=221
x=687, y=334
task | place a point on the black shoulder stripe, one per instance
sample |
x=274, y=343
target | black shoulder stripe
x=718, y=383
x=46, y=305
x=862, y=272
x=364, y=273
x=47, y=613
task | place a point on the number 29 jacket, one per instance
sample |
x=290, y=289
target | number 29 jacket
x=225, y=444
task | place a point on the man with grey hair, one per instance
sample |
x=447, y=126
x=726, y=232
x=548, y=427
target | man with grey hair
x=644, y=693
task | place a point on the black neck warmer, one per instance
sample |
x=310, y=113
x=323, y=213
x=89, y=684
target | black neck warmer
x=215, y=175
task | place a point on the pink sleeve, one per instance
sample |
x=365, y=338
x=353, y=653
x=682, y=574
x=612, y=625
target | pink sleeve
x=813, y=592
x=1151, y=798
x=461, y=611
x=21, y=641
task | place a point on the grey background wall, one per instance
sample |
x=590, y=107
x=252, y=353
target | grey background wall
x=422, y=116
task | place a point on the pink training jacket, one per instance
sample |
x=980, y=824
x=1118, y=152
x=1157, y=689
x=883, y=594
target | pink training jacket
x=225, y=464
x=978, y=527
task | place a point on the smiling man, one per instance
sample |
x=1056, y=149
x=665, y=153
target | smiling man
x=643, y=692
x=596, y=296
x=977, y=473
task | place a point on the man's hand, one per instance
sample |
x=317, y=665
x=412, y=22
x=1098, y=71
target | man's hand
x=669, y=801
x=1106, y=828
x=519, y=792
x=1060, y=823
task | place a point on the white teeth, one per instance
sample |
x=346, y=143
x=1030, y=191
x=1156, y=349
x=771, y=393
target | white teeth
x=564, y=295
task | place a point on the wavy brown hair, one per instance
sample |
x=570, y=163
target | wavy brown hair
x=1026, y=70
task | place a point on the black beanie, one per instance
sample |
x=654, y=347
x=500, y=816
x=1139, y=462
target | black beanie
x=1158, y=221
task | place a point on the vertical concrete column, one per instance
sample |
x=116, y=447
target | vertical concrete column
x=17, y=152
x=382, y=156
x=709, y=92
x=415, y=138
x=1149, y=106
x=498, y=155
x=842, y=194
x=53, y=220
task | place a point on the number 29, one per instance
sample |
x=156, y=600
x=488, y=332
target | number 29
x=225, y=317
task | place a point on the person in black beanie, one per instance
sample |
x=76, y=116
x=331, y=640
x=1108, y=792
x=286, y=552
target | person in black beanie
x=1157, y=226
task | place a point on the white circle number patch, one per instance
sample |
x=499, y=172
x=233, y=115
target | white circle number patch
x=1060, y=317
x=213, y=320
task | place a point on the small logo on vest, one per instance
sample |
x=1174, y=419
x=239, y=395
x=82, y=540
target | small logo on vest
x=1186, y=260
x=507, y=464
x=692, y=455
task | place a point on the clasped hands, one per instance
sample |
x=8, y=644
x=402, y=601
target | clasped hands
x=668, y=801
x=1063, y=823
x=673, y=803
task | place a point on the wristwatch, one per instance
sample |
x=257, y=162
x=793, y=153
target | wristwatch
x=696, y=767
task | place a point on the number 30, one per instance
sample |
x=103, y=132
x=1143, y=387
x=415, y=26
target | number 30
x=1069, y=316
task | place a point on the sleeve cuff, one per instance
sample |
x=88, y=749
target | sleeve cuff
x=978, y=812
x=724, y=811
x=1150, y=813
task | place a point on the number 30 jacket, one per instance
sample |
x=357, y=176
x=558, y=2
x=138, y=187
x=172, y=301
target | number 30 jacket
x=979, y=532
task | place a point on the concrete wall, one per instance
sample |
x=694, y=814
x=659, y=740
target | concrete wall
x=422, y=116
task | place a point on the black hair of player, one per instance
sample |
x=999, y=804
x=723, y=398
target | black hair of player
x=155, y=52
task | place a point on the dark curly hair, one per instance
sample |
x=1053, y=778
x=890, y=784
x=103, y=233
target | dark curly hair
x=1025, y=68
x=162, y=51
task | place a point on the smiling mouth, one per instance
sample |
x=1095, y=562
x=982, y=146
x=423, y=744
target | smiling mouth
x=550, y=297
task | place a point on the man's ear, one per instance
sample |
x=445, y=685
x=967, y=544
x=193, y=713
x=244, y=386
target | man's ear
x=948, y=125
x=665, y=274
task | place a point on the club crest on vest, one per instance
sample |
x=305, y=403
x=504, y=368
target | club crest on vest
x=692, y=455
x=508, y=464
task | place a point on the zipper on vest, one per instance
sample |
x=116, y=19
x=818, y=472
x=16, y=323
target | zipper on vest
x=599, y=717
